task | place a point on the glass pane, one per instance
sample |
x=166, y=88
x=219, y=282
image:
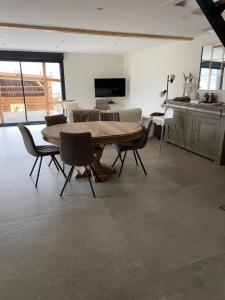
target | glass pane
x=215, y=79
x=34, y=90
x=217, y=54
x=204, y=79
x=42, y=85
x=54, y=88
x=207, y=53
x=12, y=109
x=53, y=70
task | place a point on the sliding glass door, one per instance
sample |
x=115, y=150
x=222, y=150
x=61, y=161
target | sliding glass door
x=12, y=105
x=29, y=91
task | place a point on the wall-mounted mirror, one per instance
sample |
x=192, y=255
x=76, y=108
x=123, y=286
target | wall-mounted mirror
x=211, y=76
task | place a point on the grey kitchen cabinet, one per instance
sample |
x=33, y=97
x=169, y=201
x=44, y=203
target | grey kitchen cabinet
x=206, y=135
x=200, y=130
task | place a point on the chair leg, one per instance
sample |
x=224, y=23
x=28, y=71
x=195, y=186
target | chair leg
x=135, y=158
x=162, y=137
x=95, y=173
x=93, y=192
x=31, y=172
x=67, y=179
x=39, y=168
x=50, y=162
x=55, y=164
x=118, y=156
x=121, y=168
x=141, y=162
x=71, y=174
x=58, y=164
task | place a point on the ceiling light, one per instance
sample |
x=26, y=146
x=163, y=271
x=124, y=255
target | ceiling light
x=99, y=8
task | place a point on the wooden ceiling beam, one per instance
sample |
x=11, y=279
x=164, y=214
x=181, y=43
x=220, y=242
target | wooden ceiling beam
x=95, y=32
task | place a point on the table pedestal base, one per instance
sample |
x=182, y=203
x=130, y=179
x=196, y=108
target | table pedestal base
x=104, y=172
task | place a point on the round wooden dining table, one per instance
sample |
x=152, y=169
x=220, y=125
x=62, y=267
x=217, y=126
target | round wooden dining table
x=102, y=132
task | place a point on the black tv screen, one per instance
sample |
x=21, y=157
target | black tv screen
x=110, y=87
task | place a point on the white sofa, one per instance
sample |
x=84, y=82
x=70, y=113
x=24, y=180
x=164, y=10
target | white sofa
x=126, y=114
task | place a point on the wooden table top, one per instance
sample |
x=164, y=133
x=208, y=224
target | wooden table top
x=103, y=132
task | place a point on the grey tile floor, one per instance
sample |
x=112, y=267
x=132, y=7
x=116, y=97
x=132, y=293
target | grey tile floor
x=155, y=237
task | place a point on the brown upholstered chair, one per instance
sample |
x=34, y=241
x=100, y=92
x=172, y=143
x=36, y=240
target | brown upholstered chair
x=55, y=119
x=134, y=145
x=39, y=151
x=102, y=104
x=111, y=116
x=86, y=115
x=76, y=149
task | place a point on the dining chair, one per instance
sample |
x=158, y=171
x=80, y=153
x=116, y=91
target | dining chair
x=39, y=151
x=166, y=122
x=111, y=116
x=134, y=145
x=86, y=115
x=102, y=104
x=76, y=150
x=54, y=120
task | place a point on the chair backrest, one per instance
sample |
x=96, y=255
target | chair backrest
x=28, y=140
x=76, y=149
x=55, y=119
x=86, y=115
x=169, y=113
x=69, y=106
x=111, y=116
x=146, y=124
x=102, y=104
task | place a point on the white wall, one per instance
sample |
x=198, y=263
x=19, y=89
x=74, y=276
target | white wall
x=80, y=71
x=147, y=71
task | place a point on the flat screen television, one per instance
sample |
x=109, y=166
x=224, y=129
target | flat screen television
x=110, y=87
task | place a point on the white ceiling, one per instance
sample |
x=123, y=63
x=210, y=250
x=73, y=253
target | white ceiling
x=140, y=16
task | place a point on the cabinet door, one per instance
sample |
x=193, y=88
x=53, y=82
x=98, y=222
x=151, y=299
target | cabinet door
x=172, y=132
x=184, y=125
x=206, y=134
x=188, y=127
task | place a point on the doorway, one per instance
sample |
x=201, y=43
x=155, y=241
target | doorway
x=29, y=90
